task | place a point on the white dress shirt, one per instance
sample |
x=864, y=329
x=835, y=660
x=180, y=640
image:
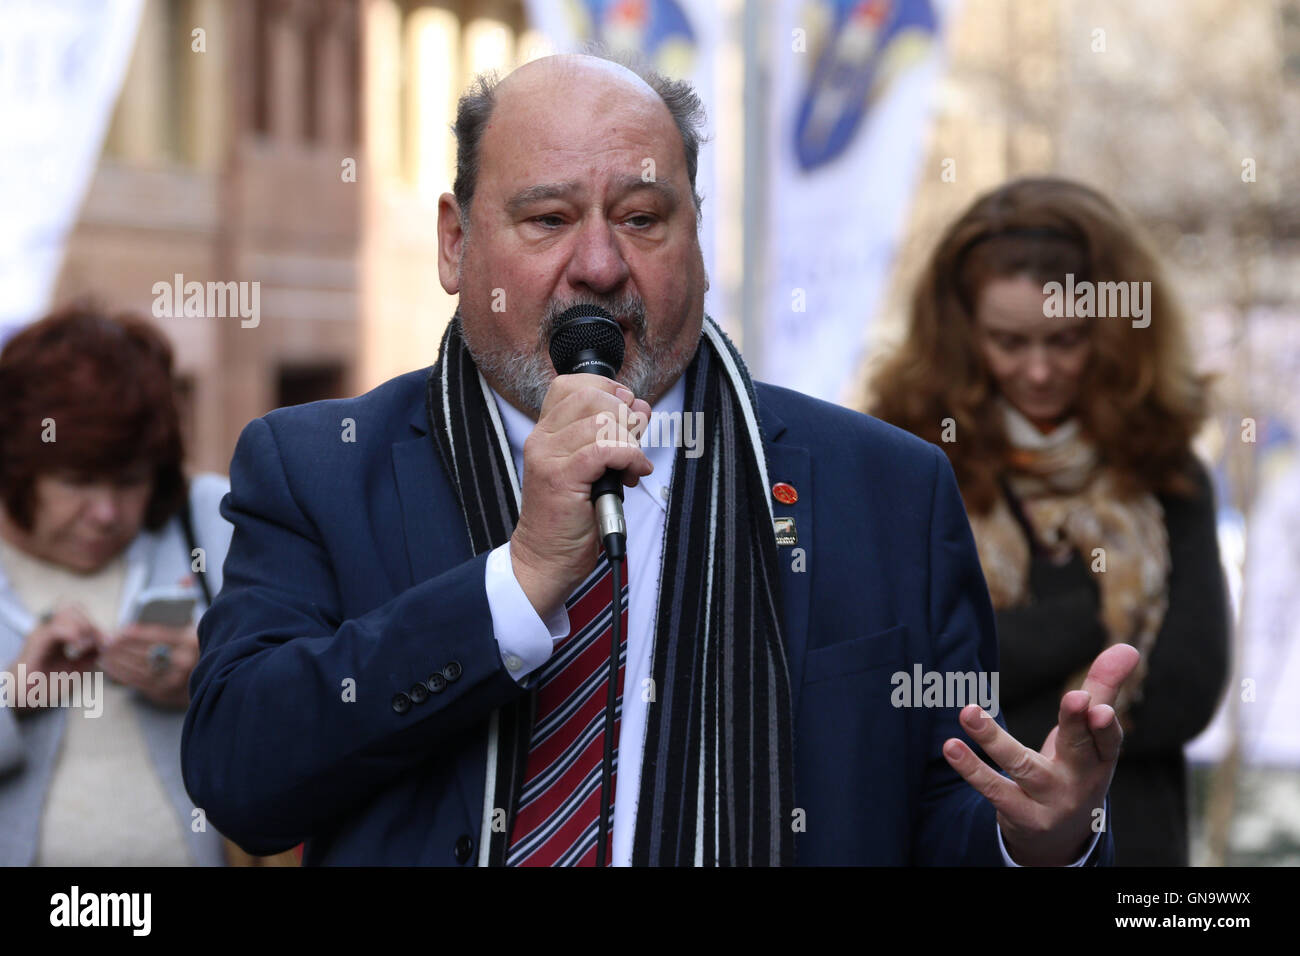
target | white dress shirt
x=526, y=641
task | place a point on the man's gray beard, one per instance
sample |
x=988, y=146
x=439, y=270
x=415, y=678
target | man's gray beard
x=525, y=377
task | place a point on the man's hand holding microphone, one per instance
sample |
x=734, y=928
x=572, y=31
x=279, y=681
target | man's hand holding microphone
x=587, y=424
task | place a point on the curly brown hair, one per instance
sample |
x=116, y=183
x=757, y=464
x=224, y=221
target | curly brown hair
x=1140, y=399
x=106, y=381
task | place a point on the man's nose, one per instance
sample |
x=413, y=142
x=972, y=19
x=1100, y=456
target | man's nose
x=596, y=263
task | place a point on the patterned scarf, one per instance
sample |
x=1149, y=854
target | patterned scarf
x=717, y=778
x=1071, y=502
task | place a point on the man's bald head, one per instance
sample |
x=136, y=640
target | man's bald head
x=592, y=78
x=574, y=68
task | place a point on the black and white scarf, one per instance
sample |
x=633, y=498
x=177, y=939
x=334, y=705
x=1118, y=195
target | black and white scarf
x=717, y=778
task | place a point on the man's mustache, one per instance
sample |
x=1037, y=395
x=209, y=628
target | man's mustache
x=627, y=310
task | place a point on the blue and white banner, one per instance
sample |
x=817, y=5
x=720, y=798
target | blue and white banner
x=61, y=68
x=680, y=38
x=852, y=82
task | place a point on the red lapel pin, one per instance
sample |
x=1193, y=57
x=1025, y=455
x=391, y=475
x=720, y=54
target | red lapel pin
x=784, y=493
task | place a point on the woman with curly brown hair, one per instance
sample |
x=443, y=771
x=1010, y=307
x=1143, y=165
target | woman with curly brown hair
x=1069, y=429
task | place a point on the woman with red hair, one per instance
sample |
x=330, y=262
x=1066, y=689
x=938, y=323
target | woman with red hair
x=96, y=517
x=1070, y=433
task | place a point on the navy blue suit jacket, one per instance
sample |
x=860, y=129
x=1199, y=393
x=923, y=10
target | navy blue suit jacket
x=349, y=579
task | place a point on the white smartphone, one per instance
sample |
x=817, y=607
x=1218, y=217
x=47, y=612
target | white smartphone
x=171, y=609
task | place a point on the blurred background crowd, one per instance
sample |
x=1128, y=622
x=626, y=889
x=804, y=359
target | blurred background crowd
x=302, y=145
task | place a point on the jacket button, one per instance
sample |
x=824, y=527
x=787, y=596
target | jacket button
x=436, y=683
x=452, y=671
x=418, y=693
x=464, y=847
x=401, y=703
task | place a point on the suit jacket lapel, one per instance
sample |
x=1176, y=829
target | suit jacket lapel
x=792, y=464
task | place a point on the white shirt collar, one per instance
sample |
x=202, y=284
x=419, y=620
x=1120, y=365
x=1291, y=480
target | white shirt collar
x=519, y=426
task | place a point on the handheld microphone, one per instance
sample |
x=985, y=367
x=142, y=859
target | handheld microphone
x=587, y=339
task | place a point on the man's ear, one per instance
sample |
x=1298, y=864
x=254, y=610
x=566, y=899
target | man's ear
x=451, y=238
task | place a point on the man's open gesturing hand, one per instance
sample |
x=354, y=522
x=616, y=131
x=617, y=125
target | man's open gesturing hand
x=1046, y=808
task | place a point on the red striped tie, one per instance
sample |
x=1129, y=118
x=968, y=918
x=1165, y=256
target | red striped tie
x=558, y=816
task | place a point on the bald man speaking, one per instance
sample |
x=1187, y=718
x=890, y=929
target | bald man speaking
x=408, y=661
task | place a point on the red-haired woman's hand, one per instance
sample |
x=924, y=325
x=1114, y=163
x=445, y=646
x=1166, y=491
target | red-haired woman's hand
x=155, y=659
x=64, y=642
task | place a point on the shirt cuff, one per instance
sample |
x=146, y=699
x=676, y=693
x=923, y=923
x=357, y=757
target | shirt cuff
x=524, y=639
x=1006, y=857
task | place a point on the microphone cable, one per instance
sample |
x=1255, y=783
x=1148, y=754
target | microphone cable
x=611, y=703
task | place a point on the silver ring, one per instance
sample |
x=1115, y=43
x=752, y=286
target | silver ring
x=160, y=657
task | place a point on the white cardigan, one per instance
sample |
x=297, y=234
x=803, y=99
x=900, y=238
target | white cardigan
x=28, y=747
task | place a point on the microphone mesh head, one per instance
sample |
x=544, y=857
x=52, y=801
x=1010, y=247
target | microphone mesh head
x=586, y=328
